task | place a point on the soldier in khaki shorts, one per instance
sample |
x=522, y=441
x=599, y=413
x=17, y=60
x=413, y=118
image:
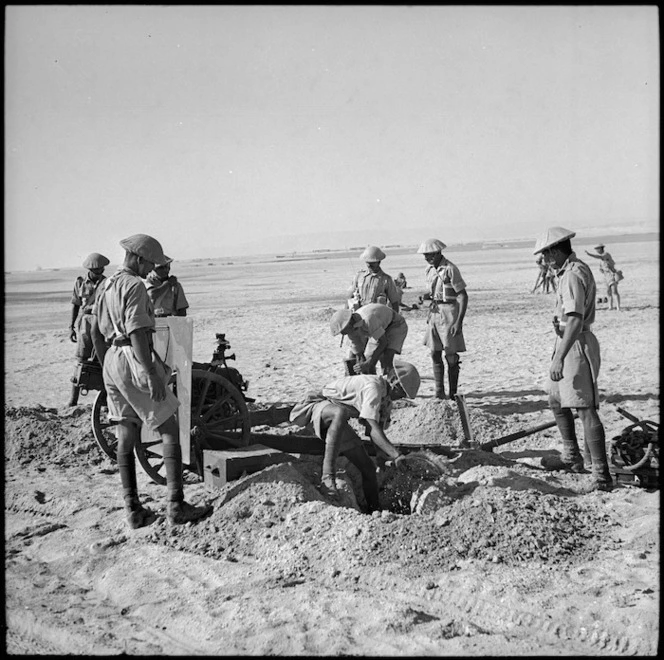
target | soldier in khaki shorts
x=576, y=359
x=449, y=301
x=135, y=379
x=372, y=284
x=366, y=397
x=376, y=333
x=82, y=316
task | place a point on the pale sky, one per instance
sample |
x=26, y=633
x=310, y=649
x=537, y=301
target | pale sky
x=227, y=129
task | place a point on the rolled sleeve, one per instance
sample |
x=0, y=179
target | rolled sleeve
x=76, y=295
x=137, y=314
x=457, y=282
x=572, y=295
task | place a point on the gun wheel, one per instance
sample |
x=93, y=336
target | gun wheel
x=102, y=428
x=219, y=420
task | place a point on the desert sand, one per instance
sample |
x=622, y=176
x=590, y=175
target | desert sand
x=507, y=559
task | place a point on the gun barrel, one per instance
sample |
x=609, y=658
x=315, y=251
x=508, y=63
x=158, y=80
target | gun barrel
x=497, y=442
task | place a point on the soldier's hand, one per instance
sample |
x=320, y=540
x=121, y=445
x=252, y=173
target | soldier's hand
x=400, y=462
x=362, y=367
x=556, y=370
x=157, y=387
x=72, y=335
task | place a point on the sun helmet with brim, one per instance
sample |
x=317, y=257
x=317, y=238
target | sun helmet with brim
x=144, y=246
x=340, y=320
x=372, y=254
x=165, y=262
x=552, y=237
x=430, y=246
x=599, y=246
x=95, y=260
x=408, y=377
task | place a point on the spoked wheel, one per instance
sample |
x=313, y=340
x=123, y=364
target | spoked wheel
x=219, y=420
x=104, y=429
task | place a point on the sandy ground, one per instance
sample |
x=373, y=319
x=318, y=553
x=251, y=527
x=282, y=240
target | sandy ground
x=491, y=556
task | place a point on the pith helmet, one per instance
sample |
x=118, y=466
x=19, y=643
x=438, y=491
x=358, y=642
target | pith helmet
x=372, y=253
x=144, y=246
x=599, y=245
x=340, y=320
x=95, y=260
x=408, y=377
x=431, y=245
x=551, y=237
x=165, y=262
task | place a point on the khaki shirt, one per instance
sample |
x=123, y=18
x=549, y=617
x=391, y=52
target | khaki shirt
x=607, y=264
x=370, y=286
x=445, y=282
x=167, y=297
x=576, y=291
x=85, y=291
x=366, y=396
x=123, y=305
x=375, y=320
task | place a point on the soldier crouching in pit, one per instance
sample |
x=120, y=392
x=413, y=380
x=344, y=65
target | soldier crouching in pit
x=136, y=379
x=369, y=398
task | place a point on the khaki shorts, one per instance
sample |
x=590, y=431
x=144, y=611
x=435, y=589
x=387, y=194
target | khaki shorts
x=310, y=415
x=128, y=403
x=84, y=346
x=437, y=336
x=578, y=387
x=395, y=333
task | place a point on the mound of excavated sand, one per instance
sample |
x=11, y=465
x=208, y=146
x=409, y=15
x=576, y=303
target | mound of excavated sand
x=438, y=422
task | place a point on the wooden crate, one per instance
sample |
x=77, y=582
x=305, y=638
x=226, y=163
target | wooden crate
x=220, y=467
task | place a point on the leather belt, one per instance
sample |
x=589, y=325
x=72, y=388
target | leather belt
x=124, y=341
x=445, y=302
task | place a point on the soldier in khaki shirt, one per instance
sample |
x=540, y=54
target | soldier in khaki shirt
x=576, y=359
x=376, y=333
x=372, y=284
x=449, y=301
x=166, y=293
x=135, y=379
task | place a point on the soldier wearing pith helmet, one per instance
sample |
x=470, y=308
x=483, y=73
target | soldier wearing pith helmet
x=372, y=284
x=575, y=364
x=135, y=379
x=446, y=290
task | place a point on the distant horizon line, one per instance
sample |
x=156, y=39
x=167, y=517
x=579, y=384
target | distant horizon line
x=495, y=243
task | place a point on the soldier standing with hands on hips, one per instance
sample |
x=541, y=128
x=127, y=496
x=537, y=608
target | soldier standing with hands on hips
x=449, y=301
x=136, y=380
x=576, y=359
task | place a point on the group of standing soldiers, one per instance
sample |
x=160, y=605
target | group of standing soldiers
x=117, y=324
x=377, y=331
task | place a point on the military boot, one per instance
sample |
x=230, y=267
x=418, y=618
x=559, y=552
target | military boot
x=453, y=377
x=439, y=380
x=182, y=512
